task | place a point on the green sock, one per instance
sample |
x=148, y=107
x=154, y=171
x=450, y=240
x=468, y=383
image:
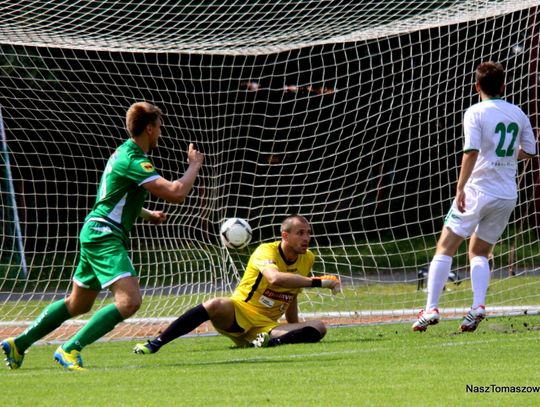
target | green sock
x=49, y=319
x=102, y=322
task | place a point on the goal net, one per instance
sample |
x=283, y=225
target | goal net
x=348, y=112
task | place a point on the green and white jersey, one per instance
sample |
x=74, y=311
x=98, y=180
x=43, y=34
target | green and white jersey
x=496, y=129
x=121, y=195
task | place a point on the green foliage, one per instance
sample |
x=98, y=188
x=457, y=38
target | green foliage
x=353, y=366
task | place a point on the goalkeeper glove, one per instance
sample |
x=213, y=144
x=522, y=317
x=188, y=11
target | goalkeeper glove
x=327, y=281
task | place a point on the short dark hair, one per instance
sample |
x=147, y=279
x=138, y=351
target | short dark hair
x=287, y=224
x=140, y=115
x=490, y=77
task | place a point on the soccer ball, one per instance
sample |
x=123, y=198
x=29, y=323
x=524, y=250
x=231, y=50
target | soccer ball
x=235, y=233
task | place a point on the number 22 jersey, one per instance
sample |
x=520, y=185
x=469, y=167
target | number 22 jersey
x=496, y=129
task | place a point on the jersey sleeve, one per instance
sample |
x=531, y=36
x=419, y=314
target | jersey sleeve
x=528, y=140
x=472, y=131
x=264, y=256
x=142, y=171
x=310, y=262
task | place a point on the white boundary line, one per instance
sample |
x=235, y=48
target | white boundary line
x=492, y=311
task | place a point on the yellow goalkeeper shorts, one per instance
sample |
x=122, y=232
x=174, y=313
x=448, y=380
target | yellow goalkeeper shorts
x=252, y=323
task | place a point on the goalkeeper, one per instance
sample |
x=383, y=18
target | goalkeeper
x=104, y=260
x=275, y=274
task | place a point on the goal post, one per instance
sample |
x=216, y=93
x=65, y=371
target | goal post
x=12, y=240
x=347, y=112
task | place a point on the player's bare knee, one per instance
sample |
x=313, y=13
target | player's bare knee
x=78, y=310
x=76, y=307
x=129, y=306
x=127, y=310
x=216, y=305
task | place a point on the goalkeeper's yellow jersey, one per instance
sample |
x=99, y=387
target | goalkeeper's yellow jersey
x=257, y=293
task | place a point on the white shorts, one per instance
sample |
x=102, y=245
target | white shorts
x=485, y=215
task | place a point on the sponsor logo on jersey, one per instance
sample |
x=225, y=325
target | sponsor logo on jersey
x=267, y=302
x=148, y=167
x=274, y=295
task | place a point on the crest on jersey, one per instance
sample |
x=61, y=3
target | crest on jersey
x=148, y=167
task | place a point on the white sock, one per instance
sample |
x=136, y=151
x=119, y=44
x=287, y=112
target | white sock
x=480, y=275
x=439, y=269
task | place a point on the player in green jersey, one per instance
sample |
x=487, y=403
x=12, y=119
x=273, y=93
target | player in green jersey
x=104, y=260
x=275, y=274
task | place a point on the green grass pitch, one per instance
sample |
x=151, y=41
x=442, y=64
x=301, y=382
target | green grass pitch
x=375, y=365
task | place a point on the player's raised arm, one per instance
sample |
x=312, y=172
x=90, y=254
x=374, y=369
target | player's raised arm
x=177, y=191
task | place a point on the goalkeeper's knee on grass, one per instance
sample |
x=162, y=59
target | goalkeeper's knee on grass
x=307, y=334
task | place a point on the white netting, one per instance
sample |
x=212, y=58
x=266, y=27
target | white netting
x=348, y=112
x=230, y=26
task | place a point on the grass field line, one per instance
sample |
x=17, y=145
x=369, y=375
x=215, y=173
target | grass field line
x=495, y=311
x=314, y=355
